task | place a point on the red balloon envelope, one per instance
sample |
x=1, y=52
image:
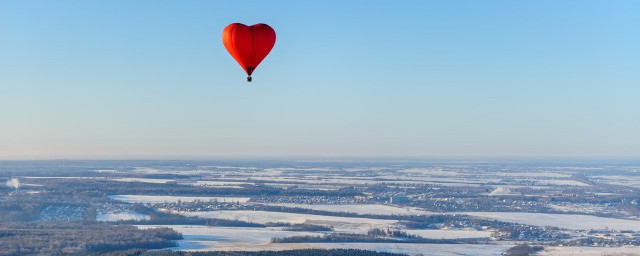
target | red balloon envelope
x=249, y=45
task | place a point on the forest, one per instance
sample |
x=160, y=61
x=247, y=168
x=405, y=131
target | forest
x=61, y=237
x=372, y=236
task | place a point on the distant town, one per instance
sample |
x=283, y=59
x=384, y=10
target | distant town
x=395, y=207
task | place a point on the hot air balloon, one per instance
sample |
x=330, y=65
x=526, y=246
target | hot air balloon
x=248, y=45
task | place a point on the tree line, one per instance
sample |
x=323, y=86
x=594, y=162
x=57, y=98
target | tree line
x=29, y=238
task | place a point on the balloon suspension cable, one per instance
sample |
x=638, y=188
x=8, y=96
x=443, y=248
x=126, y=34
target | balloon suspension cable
x=249, y=79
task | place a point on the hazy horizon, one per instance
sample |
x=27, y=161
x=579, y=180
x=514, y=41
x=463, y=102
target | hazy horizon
x=560, y=161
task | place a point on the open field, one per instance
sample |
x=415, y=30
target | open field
x=115, y=216
x=568, y=221
x=210, y=238
x=591, y=251
x=377, y=209
x=344, y=224
x=172, y=199
x=203, y=238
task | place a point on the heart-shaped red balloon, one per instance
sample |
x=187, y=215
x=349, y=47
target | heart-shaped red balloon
x=249, y=45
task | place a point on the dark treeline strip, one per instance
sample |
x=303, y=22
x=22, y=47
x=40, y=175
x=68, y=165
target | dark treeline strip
x=410, y=221
x=29, y=238
x=375, y=235
x=307, y=227
x=523, y=250
x=363, y=238
x=108, y=187
x=193, y=221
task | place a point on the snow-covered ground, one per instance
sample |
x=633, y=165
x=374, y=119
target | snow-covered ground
x=110, y=171
x=173, y=199
x=148, y=170
x=60, y=177
x=503, y=191
x=204, y=238
x=562, y=183
x=431, y=171
x=568, y=221
x=30, y=185
x=528, y=174
x=586, y=208
x=343, y=224
x=378, y=209
x=409, y=249
x=115, y=216
x=448, y=234
x=66, y=213
x=145, y=180
x=443, y=181
x=218, y=184
x=197, y=238
x=630, y=181
x=591, y=251
x=213, y=183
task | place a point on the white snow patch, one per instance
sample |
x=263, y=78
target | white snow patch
x=343, y=224
x=590, y=251
x=562, y=183
x=630, y=181
x=144, y=180
x=568, y=221
x=116, y=216
x=410, y=249
x=174, y=199
x=105, y=171
x=502, y=191
x=224, y=184
x=203, y=238
x=378, y=209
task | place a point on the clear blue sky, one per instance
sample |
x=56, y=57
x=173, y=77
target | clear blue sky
x=346, y=78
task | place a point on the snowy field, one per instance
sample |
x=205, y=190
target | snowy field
x=116, y=216
x=147, y=170
x=144, y=180
x=562, y=183
x=568, y=221
x=218, y=184
x=630, y=181
x=205, y=238
x=528, y=175
x=197, y=238
x=503, y=191
x=212, y=183
x=60, y=177
x=376, y=180
x=378, y=209
x=409, y=249
x=173, y=199
x=448, y=234
x=342, y=224
x=591, y=251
